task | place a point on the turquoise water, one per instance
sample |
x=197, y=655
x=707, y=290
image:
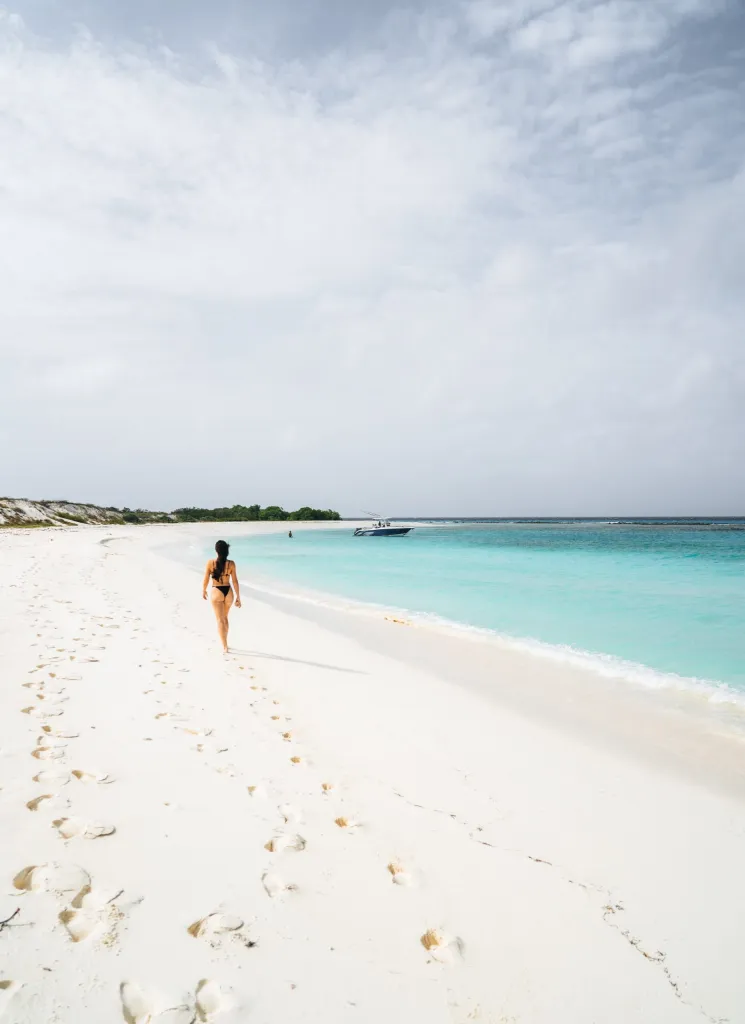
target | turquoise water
x=671, y=599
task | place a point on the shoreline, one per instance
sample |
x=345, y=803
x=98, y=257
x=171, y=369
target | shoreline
x=676, y=728
x=695, y=728
x=605, y=666
x=719, y=690
x=557, y=878
x=685, y=736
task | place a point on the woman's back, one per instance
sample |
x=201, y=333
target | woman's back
x=224, y=578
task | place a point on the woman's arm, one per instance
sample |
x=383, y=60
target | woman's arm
x=206, y=580
x=236, y=586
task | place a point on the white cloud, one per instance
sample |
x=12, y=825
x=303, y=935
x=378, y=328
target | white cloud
x=429, y=275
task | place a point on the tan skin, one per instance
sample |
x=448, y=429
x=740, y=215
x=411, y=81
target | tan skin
x=222, y=603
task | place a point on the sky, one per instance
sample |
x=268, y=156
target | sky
x=466, y=258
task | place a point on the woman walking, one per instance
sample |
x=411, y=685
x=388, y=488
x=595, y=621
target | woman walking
x=222, y=573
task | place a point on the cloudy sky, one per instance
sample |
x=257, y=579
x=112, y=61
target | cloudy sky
x=479, y=257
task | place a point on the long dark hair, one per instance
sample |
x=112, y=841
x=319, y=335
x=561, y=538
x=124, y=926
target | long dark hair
x=222, y=548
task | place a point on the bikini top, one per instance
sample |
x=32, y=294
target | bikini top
x=224, y=580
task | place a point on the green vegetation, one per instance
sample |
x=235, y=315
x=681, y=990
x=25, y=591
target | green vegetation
x=36, y=524
x=250, y=513
x=59, y=513
x=141, y=515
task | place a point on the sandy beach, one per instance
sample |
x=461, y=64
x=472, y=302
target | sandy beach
x=342, y=821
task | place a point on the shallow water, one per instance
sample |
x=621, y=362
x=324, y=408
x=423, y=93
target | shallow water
x=638, y=600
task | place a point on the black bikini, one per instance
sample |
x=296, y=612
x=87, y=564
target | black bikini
x=223, y=590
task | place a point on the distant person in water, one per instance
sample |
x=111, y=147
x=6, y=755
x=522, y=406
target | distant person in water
x=290, y=534
x=222, y=573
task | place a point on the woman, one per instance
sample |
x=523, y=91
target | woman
x=222, y=572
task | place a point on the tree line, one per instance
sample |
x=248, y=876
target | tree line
x=251, y=513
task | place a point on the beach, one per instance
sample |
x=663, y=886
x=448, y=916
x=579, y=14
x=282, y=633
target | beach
x=347, y=819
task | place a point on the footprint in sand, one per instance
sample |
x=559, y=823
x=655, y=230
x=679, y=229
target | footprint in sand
x=52, y=778
x=142, y=1007
x=442, y=947
x=7, y=990
x=81, y=924
x=276, y=887
x=53, y=696
x=289, y=813
x=217, y=928
x=33, y=805
x=52, y=877
x=210, y=1000
x=47, y=801
x=54, y=703
x=98, y=777
x=282, y=843
x=257, y=792
x=50, y=742
x=78, y=828
x=347, y=824
x=90, y=912
x=59, y=733
x=138, y=1006
x=48, y=753
x=399, y=874
x=36, y=711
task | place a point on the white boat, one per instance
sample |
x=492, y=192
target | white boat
x=381, y=528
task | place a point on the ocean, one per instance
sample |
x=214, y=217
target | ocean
x=659, y=603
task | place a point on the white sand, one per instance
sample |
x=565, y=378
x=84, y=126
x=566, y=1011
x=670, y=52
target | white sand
x=568, y=881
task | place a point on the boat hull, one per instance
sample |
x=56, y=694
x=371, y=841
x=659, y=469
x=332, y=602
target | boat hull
x=383, y=531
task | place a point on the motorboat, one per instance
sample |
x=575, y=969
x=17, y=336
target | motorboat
x=381, y=528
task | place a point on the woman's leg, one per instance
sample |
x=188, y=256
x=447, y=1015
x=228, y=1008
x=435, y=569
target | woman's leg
x=221, y=604
x=226, y=605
